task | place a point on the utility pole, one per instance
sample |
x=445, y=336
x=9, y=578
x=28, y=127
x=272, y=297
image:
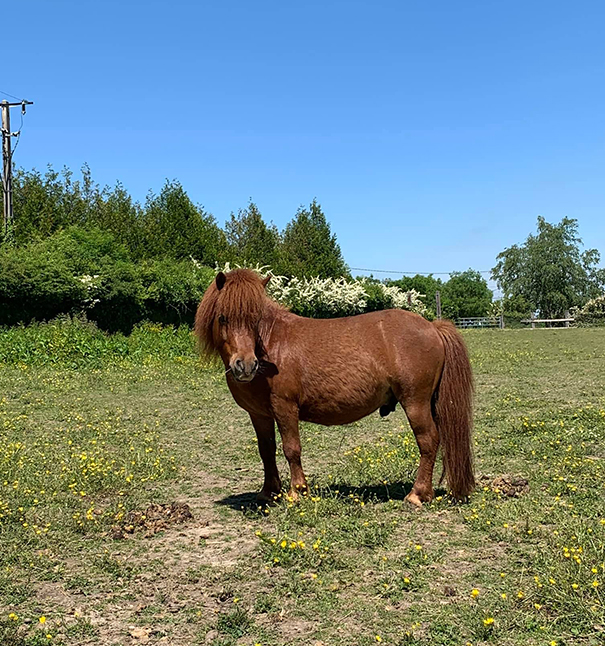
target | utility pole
x=7, y=161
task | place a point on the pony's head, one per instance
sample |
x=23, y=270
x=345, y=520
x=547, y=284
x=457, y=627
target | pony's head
x=229, y=321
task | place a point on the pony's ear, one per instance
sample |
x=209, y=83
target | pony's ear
x=265, y=281
x=220, y=280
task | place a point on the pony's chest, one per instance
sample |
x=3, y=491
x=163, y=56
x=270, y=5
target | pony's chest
x=253, y=397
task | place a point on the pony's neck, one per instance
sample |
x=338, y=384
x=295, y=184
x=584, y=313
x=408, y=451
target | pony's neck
x=271, y=314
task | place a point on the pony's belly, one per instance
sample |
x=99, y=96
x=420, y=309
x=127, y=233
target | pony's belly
x=330, y=413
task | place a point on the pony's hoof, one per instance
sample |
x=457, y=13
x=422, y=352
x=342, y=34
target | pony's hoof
x=296, y=492
x=266, y=497
x=414, y=500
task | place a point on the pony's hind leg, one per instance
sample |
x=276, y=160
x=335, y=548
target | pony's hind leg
x=427, y=437
x=265, y=434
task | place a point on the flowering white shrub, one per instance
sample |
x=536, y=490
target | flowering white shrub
x=398, y=299
x=92, y=286
x=334, y=297
x=592, y=313
x=319, y=297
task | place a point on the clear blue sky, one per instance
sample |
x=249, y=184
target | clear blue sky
x=433, y=134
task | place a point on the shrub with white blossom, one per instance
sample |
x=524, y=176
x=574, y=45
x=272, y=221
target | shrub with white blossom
x=334, y=297
x=592, y=313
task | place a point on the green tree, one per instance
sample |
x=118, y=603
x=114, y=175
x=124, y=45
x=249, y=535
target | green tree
x=252, y=242
x=466, y=294
x=309, y=248
x=118, y=213
x=549, y=270
x=46, y=203
x=174, y=227
x=53, y=201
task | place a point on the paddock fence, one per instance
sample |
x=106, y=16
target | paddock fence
x=480, y=322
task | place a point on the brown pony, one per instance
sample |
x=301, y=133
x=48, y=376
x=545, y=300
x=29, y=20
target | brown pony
x=284, y=368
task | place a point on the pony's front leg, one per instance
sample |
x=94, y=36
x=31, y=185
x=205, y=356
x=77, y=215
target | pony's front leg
x=265, y=434
x=287, y=422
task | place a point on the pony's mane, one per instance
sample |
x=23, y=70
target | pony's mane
x=242, y=300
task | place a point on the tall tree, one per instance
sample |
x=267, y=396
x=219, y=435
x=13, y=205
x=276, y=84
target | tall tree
x=46, y=203
x=309, y=247
x=175, y=227
x=252, y=242
x=466, y=294
x=549, y=270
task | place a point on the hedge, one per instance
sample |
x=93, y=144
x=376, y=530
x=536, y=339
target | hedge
x=79, y=272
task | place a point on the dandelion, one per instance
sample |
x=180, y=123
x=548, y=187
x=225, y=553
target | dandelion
x=488, y=621
x=13, y=617
x=42, y=619
x=474, y=593
x=520, y=594
x=378, y=638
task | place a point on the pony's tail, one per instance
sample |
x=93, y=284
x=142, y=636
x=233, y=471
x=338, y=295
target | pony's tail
x=453, y=409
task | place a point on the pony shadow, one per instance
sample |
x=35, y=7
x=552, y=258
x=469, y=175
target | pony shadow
x=241, y=502
x=368, y=493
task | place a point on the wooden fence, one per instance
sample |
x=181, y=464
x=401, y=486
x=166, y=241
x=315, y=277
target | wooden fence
x=549, y=322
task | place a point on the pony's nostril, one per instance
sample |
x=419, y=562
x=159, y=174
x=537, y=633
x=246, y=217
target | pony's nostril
x=239, y=364
x=255, y=364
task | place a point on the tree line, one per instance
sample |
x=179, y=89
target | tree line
x=170, y=225
x=548, y=274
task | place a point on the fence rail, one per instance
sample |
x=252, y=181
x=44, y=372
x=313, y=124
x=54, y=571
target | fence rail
x=533, y=322
x=480, y=322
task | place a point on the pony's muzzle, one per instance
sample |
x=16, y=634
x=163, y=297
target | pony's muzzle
x=244, y=369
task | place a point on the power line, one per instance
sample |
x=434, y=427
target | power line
x=12, y=96
x=414, y=273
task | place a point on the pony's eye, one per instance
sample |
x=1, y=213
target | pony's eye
x=222, y=320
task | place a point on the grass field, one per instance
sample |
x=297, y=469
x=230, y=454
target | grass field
x=92, y=428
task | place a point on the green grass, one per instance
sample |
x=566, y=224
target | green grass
x=93, y=426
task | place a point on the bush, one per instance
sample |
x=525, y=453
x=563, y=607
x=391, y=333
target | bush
x=173, y=289
x=592, y=313
x=335, y=297
x=37, y=281
x=78, y=271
